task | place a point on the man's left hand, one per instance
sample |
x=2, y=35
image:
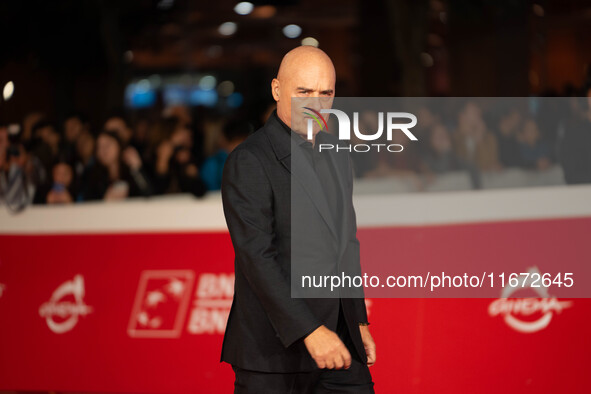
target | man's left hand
x=369, y=344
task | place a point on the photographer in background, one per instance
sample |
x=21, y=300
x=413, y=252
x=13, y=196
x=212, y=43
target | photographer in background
x=15, y=189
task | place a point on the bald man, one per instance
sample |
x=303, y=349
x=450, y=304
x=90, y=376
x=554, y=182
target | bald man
x=276, y=343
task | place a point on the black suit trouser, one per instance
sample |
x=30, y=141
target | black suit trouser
x=356, y=379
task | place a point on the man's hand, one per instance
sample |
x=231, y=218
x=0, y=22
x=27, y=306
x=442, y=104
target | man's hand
x=369, y=344
x=327, y=349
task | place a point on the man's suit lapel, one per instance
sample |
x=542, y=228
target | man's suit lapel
x=342, y=189
x=290, y=155
x=303, y=172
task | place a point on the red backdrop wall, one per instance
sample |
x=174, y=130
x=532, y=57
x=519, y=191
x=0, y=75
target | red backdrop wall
x=145, y=312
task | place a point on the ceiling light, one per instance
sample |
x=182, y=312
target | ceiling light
x=243, y=8
x=227, y=28
x=292, y=31
x=310, y=41
x=8, y=90
x=208, y=82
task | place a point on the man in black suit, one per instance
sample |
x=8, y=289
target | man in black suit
x=287, y=203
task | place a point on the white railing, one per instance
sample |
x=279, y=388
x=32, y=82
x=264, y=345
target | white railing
x=186, y=213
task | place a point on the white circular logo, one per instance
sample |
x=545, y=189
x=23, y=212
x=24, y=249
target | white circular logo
x=513, y=308
x=68, y=312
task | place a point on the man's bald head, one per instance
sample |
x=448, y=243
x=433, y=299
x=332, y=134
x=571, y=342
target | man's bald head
x=305, y=72
x=303, y=57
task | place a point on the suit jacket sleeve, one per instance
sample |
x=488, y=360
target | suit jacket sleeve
x=248, y=208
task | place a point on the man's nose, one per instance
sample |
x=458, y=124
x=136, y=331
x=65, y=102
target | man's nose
x=313, y=101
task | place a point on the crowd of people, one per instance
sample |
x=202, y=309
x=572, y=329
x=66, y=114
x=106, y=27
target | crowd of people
x=487, y=136
x=74, y=161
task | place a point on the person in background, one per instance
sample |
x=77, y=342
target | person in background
x=45, y=149
x=15, y=188
x=233, y=133
x=440, y=157
x=61, y=192
x=84, y=153
x=509, y=150
x=174, y=166
x=210, y=126
x=3, y=146
x=179, y=112
x=195, y=119
x=535, y=153
x=473, y=142
x=46, y=143
x=74, y=126
x=117, y=123
x=3, y=161
x=141, y=131
x=575, y=144
x=115, y=175
x=422, y=130
x=29, y=121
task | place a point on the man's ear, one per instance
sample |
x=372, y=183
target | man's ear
x=275, y=89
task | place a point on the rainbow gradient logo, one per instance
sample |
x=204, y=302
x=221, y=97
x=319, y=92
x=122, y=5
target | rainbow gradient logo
x=317, y=117
x=387, y=122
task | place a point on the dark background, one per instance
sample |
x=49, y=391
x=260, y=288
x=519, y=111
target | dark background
x=80, y=55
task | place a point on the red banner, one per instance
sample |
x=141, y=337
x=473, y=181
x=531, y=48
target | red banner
x=146, y=313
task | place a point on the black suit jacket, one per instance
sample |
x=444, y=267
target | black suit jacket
x=266, y=325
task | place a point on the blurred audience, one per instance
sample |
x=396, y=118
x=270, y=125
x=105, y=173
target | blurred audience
x=184, y=151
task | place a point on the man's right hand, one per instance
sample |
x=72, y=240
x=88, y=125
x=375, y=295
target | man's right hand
x=327, y=349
